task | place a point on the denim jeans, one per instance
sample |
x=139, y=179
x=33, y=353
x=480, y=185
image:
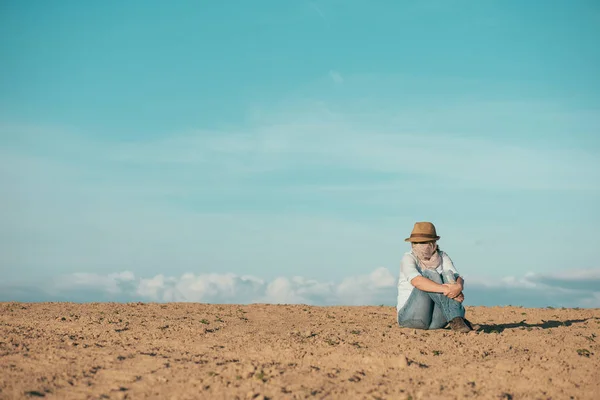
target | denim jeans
x=427, y=310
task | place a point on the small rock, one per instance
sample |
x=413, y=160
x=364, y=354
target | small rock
x=506, y=348
x=402, y=361
x=249, y=371
x=120, y=396
x=35, y=393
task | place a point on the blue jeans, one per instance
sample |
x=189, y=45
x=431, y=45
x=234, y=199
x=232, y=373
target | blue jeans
x=427, y=310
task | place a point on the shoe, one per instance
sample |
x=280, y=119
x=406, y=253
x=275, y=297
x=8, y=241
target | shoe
x=474, y=327
x=458, y=324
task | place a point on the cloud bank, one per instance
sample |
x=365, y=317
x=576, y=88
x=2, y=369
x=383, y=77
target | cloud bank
x=327, y=192
x=580, y=288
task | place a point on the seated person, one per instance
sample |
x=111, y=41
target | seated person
x=429, y=289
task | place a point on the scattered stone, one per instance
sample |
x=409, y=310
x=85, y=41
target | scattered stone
x=402, y=361
x=35, y=393
x=249, y=371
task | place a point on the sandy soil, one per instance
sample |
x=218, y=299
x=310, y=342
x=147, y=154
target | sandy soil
x=190, y=351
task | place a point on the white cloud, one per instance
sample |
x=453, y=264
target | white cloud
x=280, y=290
x=589, y=278
x=377, y=287
x=368, y=289
x=336, y=77
x=200, y=288
x=151, y=288
x=589, y=274
x=110, y=283
x=576, y=287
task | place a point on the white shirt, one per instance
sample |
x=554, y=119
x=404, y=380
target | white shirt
x=410, y=269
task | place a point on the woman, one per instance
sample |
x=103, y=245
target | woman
x=429, y=289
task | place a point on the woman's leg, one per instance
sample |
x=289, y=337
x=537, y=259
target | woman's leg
x=417, y=311
x=438, y=319
x=445, y=308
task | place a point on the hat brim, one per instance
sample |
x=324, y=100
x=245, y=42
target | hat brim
x=421, y=239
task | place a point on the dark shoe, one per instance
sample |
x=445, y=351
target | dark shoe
x=474, y=327
x=458, y=324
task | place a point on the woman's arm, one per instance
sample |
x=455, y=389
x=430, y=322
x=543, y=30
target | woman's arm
x=408, y=268
x=454, y=289
x=427, y=285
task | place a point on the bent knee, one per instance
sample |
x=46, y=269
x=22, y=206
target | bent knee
x=432, y=275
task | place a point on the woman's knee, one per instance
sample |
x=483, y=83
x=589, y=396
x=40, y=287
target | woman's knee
x=449, y=277
x=432, y=275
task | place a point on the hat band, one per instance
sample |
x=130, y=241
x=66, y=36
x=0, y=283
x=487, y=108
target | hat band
x=423, y=235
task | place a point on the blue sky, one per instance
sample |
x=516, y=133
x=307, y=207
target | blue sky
x=282, y=151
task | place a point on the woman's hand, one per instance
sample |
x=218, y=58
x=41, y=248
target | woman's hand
x=454, y=289
x=460, y=298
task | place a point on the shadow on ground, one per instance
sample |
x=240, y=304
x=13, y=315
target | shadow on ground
x=544, y=325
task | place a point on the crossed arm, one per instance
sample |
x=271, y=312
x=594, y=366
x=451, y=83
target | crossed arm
x=454, y=291
x=451, y=290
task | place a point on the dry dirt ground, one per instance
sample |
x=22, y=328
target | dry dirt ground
x=195, y=351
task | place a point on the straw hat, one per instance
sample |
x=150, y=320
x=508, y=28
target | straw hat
x=422, y=232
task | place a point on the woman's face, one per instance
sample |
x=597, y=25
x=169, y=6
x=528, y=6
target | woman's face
x=425, y=249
